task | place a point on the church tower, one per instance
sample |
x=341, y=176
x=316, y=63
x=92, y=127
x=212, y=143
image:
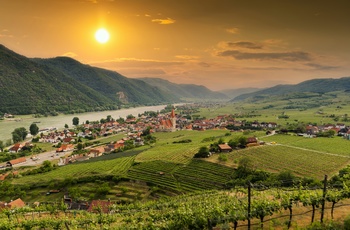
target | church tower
x=173, y=119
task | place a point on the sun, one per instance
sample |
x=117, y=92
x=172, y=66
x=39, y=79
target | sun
x=102, y=35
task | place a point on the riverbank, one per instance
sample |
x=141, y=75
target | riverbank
x=7, y=126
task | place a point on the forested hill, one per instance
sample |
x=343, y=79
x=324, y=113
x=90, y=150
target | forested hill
x=45, y=86
x=312, y=86
x=185, y=91
x=28, y=87
x=109, y=83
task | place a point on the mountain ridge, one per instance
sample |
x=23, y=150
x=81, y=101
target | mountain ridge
x=64, y=85
x=317, y=85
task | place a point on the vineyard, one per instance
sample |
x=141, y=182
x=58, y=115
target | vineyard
x=301, y=162
x=118, y=166
x=336, y=145
x=235, y=209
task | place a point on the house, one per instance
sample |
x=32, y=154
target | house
x=65, y=148
x=252, y=140
x=15, y=148
x=312, y=130
x=96, y=152
x=224, y=148
x=68, y=140
x=272, y=125
x=16, y=161
x=18, y=203
x=99, y=205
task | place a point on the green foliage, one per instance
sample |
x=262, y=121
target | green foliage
x=34, y=129
x=202, y=152
x=182, y=141
x=19, y=134
x=75, y=121
x=223, y=157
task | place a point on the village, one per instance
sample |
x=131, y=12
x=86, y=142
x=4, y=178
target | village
x=67, y=140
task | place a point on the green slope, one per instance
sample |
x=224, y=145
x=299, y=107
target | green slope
x=185, y=91
x=29, y=87
x=313, y=86
x=108, y=83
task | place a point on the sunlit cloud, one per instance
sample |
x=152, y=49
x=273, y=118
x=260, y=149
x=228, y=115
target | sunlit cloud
x=166, y=21
x=69, y=54
x=244, y=44
x=4, y=33
x=187, y=57
x=320, y=66
x=137, y=62
x=232, y=30
x=204, y=64
x=292, y=56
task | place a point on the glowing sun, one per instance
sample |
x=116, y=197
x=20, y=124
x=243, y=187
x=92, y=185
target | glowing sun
x=102, y=35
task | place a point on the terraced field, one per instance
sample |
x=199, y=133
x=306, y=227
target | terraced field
x=335, y=145
x=118, y=166
x=166, y=150
x=301, y=162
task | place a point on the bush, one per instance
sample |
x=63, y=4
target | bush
x=222, y=157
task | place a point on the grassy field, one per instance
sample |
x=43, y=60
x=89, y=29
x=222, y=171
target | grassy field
x=277, y=158
x=118, y=167
x=166, y=150
x=307, y=110
x=335, y=145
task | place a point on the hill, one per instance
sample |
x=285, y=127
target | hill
x=109, y=83
x=185, y=91
x=232, y=93
x=29, y=87
x=312, y=86
x=61, y=84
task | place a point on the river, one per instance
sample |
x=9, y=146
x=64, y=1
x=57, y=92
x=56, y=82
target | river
x=7, y=126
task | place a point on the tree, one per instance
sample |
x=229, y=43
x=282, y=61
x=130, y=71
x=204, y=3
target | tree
x=2, y=145
x=80, y=146
x=75, y=121
x=130, y=116
x=65, y=126
x=202, y=152
x=19, y=134
x=34, y=129
x=242, y=141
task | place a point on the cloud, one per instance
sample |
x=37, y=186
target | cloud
x=293, y=56
x=321, y=67
x=204, y=64
x=244, y=44
x=69, y=54
x=186, y=57
x=136, y=72
x=131, y=62
x=233, y=30
x=4, y=33
x=166, y=21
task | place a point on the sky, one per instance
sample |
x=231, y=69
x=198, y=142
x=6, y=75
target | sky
x=221, y=44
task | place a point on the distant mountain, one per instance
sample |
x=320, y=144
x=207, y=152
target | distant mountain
x=185, y=91
x=109, y=83
x=312, y=86
x=61, y=84
x=232, y=93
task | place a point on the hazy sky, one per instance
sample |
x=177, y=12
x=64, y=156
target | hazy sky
x=217, y=43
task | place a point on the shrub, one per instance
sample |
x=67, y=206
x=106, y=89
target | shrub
x=222, y=157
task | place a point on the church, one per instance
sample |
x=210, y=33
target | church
x=167, y=124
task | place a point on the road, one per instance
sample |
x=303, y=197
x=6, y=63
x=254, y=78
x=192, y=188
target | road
x=51, y=155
